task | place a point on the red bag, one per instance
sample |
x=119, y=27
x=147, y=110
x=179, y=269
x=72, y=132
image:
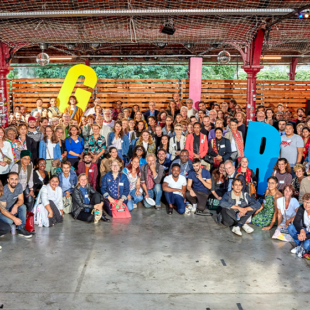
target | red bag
x=29, y=222
x=119, y=211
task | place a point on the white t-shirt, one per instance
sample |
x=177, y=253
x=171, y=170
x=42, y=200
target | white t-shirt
x=307, y=221
x=50, y=147
x=145, y=145
x=290, y=211
x=175, y=184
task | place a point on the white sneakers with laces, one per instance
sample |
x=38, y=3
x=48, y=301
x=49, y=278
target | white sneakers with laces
x=236, y=230
x=247, y=228
x=294, y=250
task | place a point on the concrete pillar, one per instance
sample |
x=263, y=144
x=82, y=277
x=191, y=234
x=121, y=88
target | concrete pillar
x=195, y=75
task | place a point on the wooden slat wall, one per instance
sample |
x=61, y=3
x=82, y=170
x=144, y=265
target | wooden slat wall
x=293, y=94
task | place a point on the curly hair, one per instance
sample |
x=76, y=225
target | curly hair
x=150, y=140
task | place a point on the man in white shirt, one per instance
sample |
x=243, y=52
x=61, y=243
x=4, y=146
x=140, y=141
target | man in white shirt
x=174, y=187
x=39, y=108
x=190, y=110
x=91, y=111
x=213, y=116
x=108, y=121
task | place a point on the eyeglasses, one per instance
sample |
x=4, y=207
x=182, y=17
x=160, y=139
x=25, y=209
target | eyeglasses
x=183, y=155
x=140, y=150
x=115, y=166
x=273, y=183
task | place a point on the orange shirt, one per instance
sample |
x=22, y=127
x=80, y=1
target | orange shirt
x=78, y=115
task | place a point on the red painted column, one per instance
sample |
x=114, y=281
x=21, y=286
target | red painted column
x=195, y=75
x=4, y=70
x=293, y=66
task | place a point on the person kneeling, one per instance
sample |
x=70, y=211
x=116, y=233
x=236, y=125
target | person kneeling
x=236, y=207
x=174, y=187
x=86, y=202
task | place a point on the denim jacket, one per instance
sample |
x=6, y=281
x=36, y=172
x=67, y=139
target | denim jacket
x=125, y=142
x=123, y=189
x=42, y=150
x=72, y=179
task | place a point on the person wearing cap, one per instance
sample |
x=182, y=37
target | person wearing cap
x=24, y=169
x=174, y=187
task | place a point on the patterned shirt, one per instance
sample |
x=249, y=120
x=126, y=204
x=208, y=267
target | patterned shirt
x=95, y=146
x=113, y=187
x=149, y=179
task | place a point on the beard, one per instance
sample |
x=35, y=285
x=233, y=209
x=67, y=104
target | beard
x=87, y=162
x=13, y=185
x=107, y=119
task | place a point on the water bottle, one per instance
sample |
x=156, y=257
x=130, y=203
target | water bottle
x=13, y=229
x=238, y=216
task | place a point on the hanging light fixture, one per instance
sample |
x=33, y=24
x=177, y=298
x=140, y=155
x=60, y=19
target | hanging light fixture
x=223, y=57
x=43, y=59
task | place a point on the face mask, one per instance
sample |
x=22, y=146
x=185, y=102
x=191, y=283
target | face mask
x=87, y=162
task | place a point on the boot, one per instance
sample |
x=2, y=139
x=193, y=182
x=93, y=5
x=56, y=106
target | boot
x=104, y=218
x=97, y=214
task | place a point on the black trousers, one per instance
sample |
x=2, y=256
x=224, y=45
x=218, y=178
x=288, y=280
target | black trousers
x=229, y=217
x=87, y=216
x=201, y=199
x=4, y=228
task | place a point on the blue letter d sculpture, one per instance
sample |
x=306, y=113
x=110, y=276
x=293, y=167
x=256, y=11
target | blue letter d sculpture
x=265, y=161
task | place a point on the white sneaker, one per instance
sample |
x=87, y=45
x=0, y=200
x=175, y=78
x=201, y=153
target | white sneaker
x=189, y=207
x=247, y=228
x=193, y=209
x=294, y=250
x=135, y=206
x=236, y=230
x=187, y=212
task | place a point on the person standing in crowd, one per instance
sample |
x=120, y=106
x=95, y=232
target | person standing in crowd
x=34, y=133
x=169, y=128
x=177, y=99
x=74, y=111
x=158, y=135
x=202, y=107
x=281, y=127
x=304, y=186
x=40, y=176
x=306, y=139
x=270, y=117
x=197, y=143
x=11, y=135
x=95, y=144
x=49, y=149
x=161, y=118
x=132, y=171
x=65, y=124
x=266, y=215
x=248, y=174
x=300, y=228
x=232, y=106
x=25, y=142
x=218, y=124
x=236, y=207
x=299, y=170
x=147, y=142
x=174, y=187
x=39, y=104
x=282, y=171
x=87, y=129
x=151, y=125
x=126, y=112
x=172, y=109
x=105, y=165
x=53, y=110
x=74, y=145
x=190, y=110
x=164, y=144
x=87, y=204
x=6, y=157
x=300, y=116
x=151, y=177
x=88, y=167
x=104, y=130
x=114, y=187
x=207, y=126
x=185, y=163
x=59, y=131
x=108, y=120
x=43, y=124
x=91, y=111
x=260, y=116
x=19, y=118
x=198, y=187
x=135, y=108
x=213, y=116
x=131, y=130
x=183, y=112
x=13, y=200
x=236, y=141
x=117, y=110
x=292, y=146
x=151, y=111
x=176, y=143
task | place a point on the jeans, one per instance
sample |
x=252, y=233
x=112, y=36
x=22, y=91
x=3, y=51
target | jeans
x=21, y=214
x=294, y=234
x=157, y=192
x=4, y=228
x=134, y=199
x=177, y=200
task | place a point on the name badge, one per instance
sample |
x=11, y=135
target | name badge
x=72, y=186
x=122, y=141
x=35, y=132
x=204, y=178
x=201, y=140
x=222, y=146
x=288, y=140
x=121, y=184
x=72, y=109
x=282, y=182
x=90, y=170
x=86, y=196
x=77, y=141
x=174, y=145
x=15, y=197
x=239, y=202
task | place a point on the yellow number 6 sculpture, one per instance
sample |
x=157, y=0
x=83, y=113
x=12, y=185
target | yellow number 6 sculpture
x=68, y=85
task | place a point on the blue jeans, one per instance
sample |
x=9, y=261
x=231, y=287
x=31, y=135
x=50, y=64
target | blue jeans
x=134, y=199
x=177, y=200
x=294, y=234
x=155, y=192
x=21, y=214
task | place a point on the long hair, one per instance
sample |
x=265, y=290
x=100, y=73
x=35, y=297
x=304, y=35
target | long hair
x=161, y=144
x=129, y=166
x=136, y=127
x=172, y=126
x=78, y=180
x=121, y=133
x=288, y=167
x=160, y=114
x=127, y=129
x=109, y=155
x=150, y=140
x=53, y=139
x=134, y=152
x=169, y=106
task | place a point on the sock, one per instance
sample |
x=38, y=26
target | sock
x=195, y=205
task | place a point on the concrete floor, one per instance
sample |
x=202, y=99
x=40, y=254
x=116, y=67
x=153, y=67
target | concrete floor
x=153, y=261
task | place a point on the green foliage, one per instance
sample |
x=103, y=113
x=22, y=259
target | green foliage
x=214, y=72
x=51, y=72
x=269, y=73
x=302, y=75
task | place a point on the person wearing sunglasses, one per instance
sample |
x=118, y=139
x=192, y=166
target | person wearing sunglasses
x=140, y=152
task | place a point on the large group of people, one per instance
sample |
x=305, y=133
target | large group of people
x=186, y=159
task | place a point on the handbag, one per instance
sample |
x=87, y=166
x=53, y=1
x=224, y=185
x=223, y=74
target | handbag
x=6, y=159
x=56, y=163
x=119, y=211
x=29, y=222
x=213, y=203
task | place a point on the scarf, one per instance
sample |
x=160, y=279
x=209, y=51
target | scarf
x=239, y=143
x=247, y=174
x=216, y=162
x=306, y=147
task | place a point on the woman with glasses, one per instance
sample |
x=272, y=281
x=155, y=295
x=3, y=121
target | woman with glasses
x=59, y=132
x=105, y=165
x=169, y=128
x=177, y=143
x=266, y=216
x=140, y=152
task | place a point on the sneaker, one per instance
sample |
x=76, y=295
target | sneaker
x=193, y=209
x=236, y=230
x=0, y=247
x=189, y=207
x=158, y=208
x=187, y=212
x=247, y=228
x=24, y=233
x=135, y=206
x=294, y=250
x=198, y=212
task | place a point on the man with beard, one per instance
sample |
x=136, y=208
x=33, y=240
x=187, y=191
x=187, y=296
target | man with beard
x=117, y=110
x=232, y=107
x=13, y=200
x=207, y=125
x=91, y=169
x=91, y=111
x=34, y=134
x=198, y=187
x=300, y=116
x=19, y=118
x=163, y=160
x=177, y=99
x=108, y=121
x=39, y=108
x=281, y=126
x=202, y=107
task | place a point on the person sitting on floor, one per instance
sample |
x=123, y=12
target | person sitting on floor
x=13, y=200
x=300, y=229
x=89, y=168
x=163, y=160
x=114, y=186
x=151, y=177
x=40, y=176
x=236, y=207
x=87, y=204
x=174, y=187
x=198, y=187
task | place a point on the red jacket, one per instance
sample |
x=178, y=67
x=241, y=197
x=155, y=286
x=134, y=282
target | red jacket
x=92, y=173
x=203, y=149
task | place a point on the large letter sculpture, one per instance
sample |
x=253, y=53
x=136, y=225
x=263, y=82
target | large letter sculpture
x=82, y=95
x=265, y=161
